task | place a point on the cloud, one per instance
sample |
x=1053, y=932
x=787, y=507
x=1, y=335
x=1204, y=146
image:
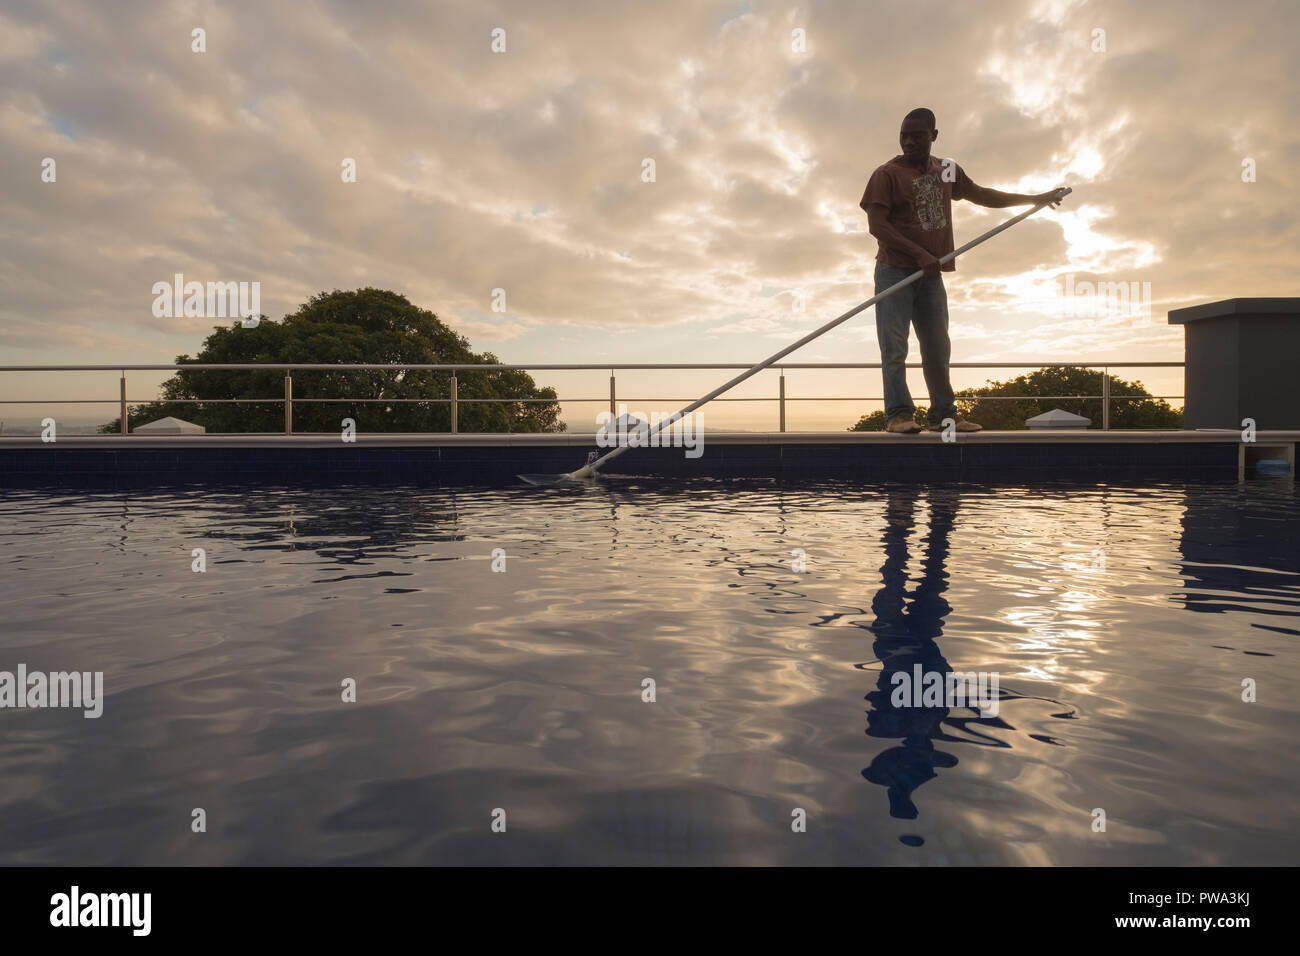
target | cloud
x=523, y=170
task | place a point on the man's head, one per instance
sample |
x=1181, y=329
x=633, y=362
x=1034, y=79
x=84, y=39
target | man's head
x=916, y=134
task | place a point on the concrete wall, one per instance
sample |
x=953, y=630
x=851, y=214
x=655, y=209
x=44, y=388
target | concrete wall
x=1241, y=357
x=874, y=461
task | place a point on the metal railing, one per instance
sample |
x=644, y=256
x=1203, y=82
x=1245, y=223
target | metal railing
x=781, y=398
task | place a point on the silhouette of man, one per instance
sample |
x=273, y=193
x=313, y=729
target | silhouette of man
x=908, y=202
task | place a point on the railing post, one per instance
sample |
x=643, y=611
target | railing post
x=124, y=431
x=455, y=405
x=288, y=401
x=611, y=393
x=1105, y=399
x=782, y=399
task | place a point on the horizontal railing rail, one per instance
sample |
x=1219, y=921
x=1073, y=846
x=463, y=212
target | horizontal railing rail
x=370, y=366
x=1104, y=396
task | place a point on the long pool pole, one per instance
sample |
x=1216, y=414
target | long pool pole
x=589, y=469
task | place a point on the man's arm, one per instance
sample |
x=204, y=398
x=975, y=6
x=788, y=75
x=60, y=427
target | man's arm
x=878, y=225
x=996, y=199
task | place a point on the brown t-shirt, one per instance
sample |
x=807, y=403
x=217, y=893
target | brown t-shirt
x=919, y=205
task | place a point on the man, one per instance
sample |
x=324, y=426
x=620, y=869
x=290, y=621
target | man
x=908, y=202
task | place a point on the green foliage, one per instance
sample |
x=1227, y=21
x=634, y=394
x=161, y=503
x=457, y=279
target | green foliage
x=1025, y=393
x=364, y=326
x=1141, y=411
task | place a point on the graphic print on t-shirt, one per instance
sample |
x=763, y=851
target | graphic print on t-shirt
x=927, y=197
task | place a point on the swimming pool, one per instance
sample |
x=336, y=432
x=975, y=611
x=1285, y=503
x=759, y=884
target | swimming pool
x=1120, y=623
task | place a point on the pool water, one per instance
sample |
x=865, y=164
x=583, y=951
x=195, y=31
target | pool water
x=1120, y=623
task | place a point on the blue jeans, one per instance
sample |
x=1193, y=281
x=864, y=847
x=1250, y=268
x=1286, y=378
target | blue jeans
x=923, y=304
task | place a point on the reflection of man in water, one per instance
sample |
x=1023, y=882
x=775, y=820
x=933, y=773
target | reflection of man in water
x=905, y=636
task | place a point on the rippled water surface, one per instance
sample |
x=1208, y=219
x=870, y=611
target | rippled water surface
x=1121, y=623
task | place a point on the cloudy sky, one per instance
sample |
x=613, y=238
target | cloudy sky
x=523, y=170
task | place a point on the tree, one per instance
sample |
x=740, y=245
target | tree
x=365, y=326
x=1022, y=398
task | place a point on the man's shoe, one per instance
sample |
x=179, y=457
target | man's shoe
x=962, y=425
x=903, y=424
